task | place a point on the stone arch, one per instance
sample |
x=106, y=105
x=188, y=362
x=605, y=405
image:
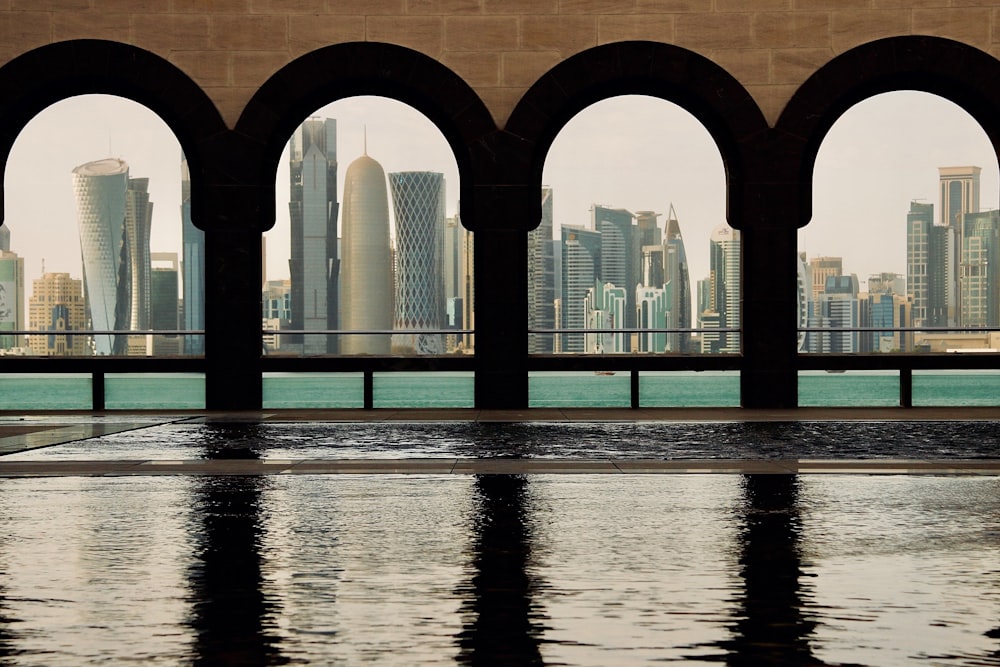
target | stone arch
x=668, y=72
x=360, y=68
x=952, y=70
x=41, y=77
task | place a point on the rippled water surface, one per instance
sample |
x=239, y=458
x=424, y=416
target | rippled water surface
x=673, y=440
x=498, y=569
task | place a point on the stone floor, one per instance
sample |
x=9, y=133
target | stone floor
x=22, y=432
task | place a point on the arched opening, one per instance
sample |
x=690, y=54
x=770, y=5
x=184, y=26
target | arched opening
x=97, y=240
x=896, y=257
x=634, y=252
x=367, y=258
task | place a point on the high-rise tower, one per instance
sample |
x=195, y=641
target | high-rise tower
x=193, y=268
x=581, y=266
x=313, y=264
x=980, y=288
x=724, y=263
x=620, y=254
x=676, y=275
x=959, y=193
x=138, y=220
x=541, y=279
x=100, y=188
x=418, y=203
x=366, y=276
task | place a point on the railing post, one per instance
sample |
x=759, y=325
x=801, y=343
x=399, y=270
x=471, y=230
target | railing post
x=634, y=388
x=369, y=390
x=906, y=387
x=97, y=391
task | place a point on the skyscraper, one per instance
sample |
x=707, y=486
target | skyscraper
x=100, y=188
x=919, y=221
x=959, y=193
x=541, y=279
x=724, y=264
x=366, y=277
x=837, y=309
x=138, y=220
x=677, y=277
x=11, y=297
x=193, y=267
x=980, y=287
x=164, y=303
x=821, y=268
x=804, y=298
x=313, y=211
x=581, y=266
x=620, y=254
x=418, y=202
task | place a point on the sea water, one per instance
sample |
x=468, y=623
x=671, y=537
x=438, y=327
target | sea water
x=165, y=391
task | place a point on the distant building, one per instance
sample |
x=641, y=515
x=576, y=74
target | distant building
x=836, y=309
x=652, y=304
x=725, y=267
x=979, y=275
x=541, y=280
x=803, y=289
x=604, y=308
x=57, y=304
x=193, y=266
x=366, y=286
x=581, y=266
x=620, y=253
x=821, y=268
x=100, y=188
x=165, y=304
x=313, y=212
x=418, y=201
x=11, y=298
x=676, y=276
x=276, y=315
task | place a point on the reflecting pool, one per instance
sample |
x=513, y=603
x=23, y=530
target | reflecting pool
x=500, y=569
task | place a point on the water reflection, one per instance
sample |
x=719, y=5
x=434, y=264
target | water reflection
x=231, y=616
x=771, y=627
x=504, y=625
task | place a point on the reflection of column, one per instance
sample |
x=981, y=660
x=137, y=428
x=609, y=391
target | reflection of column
x=503, y=626
x=770, y=628
x=231, y=616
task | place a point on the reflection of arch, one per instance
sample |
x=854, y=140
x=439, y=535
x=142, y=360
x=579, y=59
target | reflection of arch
x=668, y=72
x=952, y=70
x=39, y=78
x=361, y=68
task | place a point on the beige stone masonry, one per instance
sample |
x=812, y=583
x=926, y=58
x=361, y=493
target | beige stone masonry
x=790, y=30
x=308, y=33
x=522, y=68
x=477, y=69
x=420, y=33
x=618, y=28
x=499, y=47
x=481, y=33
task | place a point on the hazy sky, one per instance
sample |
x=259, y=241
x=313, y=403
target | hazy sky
x=630, y=152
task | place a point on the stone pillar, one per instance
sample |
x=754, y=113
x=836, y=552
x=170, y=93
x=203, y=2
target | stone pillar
x=233, y=320
x=501, y=301
x=769, y=215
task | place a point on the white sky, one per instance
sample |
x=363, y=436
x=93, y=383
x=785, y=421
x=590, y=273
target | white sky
x=630, y=152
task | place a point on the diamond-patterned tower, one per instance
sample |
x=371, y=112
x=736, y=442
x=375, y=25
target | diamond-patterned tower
x=418, y=204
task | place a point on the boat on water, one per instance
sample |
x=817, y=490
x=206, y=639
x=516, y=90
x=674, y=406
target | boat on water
x=604, y=372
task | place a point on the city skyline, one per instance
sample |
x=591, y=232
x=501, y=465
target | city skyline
x=611, y=137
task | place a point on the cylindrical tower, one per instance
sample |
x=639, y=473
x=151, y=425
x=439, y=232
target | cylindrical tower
x=100, y=188
x=366, y=283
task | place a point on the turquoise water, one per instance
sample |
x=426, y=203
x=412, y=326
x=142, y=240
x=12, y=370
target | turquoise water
x=447, y=390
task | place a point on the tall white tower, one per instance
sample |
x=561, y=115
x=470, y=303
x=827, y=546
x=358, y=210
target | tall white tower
x=366, y=298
